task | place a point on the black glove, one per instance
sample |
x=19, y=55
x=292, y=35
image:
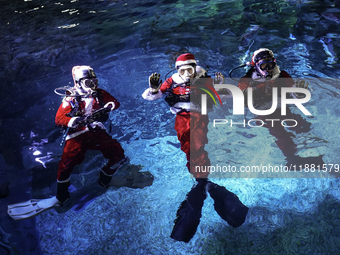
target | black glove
x=80, y=121
x=154, y=82
x=99, y=115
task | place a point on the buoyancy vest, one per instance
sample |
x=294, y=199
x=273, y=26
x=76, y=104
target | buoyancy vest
x=181, y=92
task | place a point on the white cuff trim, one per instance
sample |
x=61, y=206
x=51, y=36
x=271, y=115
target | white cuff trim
x=150, y=97
x=70, y=123
x=67, y=180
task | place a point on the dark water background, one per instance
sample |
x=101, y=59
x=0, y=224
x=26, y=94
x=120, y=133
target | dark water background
x=125, y=41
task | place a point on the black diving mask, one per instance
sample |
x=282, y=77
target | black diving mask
x=90, y=83
x=267, y=64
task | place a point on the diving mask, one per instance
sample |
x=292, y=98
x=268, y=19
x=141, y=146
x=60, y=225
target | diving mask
x=265, y=67
x=267, y=64
x=89, y=83
x=186, y=71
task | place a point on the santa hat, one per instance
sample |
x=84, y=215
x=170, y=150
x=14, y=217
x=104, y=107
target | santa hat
x=79, y=72
x=185, y=59
x=260, y=54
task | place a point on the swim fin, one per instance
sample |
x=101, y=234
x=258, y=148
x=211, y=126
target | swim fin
x=189, y=213
x=228, y=205
x=296, y=160
x=31, y=207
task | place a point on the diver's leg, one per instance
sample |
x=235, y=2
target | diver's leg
x=192, y=133
x=284, y=139
x=198, y=140
x=113, y=151
x=182, y=127
x=73, y=154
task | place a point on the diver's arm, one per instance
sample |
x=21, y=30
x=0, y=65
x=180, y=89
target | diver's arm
x=288, y=79
x=150, y=96
x=62, y=118
x=109, y=100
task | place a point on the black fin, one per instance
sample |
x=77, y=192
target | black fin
x=297, y=161
x=227, y=205
x=189, y=214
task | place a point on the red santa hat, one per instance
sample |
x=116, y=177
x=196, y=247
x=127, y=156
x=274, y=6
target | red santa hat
x=79, y=72
x=185, y=59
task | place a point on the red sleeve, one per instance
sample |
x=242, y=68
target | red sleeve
x=62, y=119
x=243, y=84
x=166, y=85
x=288, y=79
x=107, y=97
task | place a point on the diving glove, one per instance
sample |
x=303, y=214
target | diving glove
x=300, y=84
x=154, y=83
x=219, y=79
x=82, y=121
x=100, y=115
x=79, y=121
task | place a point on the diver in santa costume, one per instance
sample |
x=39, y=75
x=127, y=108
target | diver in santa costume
x=177, y=94
x=263, y=75
x=81, y=113
x=86, y=132
x=192, y=127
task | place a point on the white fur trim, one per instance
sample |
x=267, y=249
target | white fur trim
x=67, y=180
x=185, y=66
x=88, y=105
x=76, y=134
x=71, y=122
x=93, y=125
x=189, y=61
x=176, y=78
x=187, y=106
x=65, y=103
x=200, y=71
x=258, y=51
x=150, y=97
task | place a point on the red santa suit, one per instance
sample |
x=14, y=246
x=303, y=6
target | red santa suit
x=190, y=125
x=263, y=98
x=90, y=137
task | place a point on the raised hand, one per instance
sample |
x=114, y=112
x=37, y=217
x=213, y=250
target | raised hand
x=300, y=84
x=219, y=78
x=154, y=82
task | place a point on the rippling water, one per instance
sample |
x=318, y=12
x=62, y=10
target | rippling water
x=125, y=41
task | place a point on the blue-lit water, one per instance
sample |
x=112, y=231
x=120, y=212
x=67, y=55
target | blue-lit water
x=125, y=41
